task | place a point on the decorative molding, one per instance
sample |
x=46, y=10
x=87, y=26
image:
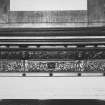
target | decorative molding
x=80, y=66
x=53, y=54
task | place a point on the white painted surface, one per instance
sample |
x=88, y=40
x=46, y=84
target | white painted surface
x=52, y=87
x=37, y=5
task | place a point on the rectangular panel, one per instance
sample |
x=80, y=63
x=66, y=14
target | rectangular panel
x=48, y=16
x=4, y=7
x=96, y=11
x=12, y=66
x=41, y=5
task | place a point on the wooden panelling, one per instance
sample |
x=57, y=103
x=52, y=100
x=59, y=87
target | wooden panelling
x=4, y=7
x=47, y=16
x=96, y=11
x=95, y=16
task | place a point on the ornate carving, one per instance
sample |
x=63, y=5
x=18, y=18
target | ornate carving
x=94, y=66
x=34, y=66
x=11, y=54
x=52, y=66
x=63, y=54
x=11, y=66
x=66, y=66
x=50, y=55
x=52, y=61
x=55, y=66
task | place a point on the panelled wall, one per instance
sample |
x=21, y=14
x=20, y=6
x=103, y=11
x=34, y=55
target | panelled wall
x=53, y=88
x=95, y=14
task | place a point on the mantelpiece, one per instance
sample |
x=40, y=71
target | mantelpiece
x=52, y=42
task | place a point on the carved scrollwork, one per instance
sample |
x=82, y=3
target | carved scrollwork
x=52, y=61
x=52, y=66
x=11, y=66
x=73, y=54
x=67, y=66
x=94, y=66
x=70, y=66
x=34, y=66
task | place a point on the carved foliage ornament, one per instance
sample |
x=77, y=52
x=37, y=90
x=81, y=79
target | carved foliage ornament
x=52, y=66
